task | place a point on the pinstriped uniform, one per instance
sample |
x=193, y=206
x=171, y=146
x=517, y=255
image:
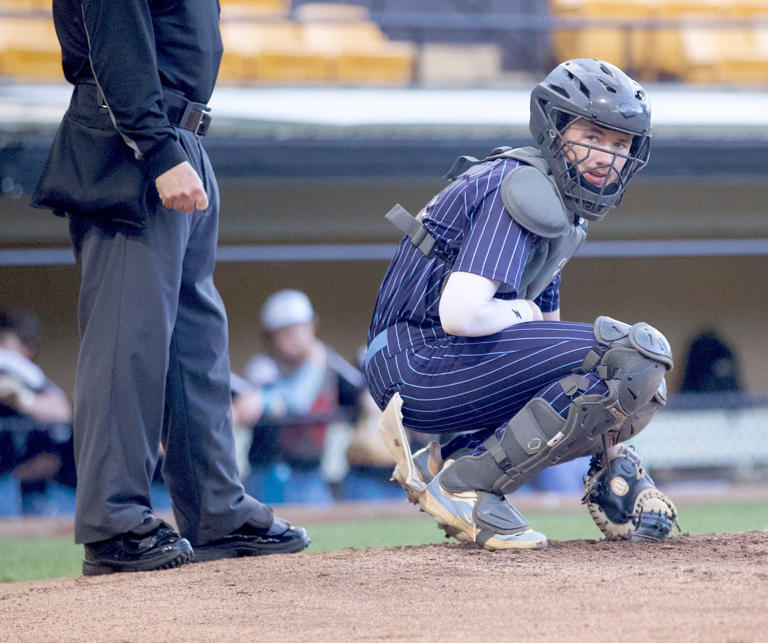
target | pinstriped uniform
x=450, y=383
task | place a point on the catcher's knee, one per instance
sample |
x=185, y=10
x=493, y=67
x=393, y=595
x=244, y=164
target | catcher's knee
x=623, y=500
x=631, y=360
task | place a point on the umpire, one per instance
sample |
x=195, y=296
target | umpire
x=128, y=169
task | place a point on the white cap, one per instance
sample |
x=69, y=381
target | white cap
x=285, y=308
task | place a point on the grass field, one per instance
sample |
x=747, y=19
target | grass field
x=56, y=558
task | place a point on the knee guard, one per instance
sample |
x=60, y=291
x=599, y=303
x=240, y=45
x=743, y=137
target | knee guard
x=631, y=360
x=638, y=420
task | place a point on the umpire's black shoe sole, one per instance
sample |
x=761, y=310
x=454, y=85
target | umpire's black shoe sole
x=154, y=545
x=293, y=540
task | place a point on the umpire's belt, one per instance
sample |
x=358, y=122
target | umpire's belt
x=181, y=112
x=377, y=343
x=195, y=117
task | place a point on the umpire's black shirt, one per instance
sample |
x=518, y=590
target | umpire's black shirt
x=137, y=47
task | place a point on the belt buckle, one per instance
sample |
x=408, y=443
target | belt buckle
x=196, y=119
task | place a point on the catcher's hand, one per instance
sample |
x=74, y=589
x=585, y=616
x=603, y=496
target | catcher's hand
x=624, y=502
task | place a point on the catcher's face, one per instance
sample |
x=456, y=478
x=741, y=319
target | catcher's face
x=597, y=153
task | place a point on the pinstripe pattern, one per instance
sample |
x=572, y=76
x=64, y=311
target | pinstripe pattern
x=454, y=384
x=470, y=383
x=475, y=234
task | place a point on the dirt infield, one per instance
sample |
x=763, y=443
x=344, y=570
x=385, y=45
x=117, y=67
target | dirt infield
x=691, y=588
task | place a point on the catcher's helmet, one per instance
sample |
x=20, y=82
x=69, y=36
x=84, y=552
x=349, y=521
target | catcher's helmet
x=590, y=89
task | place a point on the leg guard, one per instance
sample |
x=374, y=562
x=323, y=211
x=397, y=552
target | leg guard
x=623, y=500
x=631, y=361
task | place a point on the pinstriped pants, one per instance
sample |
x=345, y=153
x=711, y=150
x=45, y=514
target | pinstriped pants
x=464, y=384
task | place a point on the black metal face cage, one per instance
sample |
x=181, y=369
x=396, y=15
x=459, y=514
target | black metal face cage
x=590, y=200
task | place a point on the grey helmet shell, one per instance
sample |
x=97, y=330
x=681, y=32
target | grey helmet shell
x=602, y=94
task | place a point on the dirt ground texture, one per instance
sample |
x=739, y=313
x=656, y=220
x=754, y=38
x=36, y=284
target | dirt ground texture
x=690, y=588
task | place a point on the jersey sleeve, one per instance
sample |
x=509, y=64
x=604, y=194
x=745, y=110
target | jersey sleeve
x=549, y=300
x=123, y=59
x=495, y=246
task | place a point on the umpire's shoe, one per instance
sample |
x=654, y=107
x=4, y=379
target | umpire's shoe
x=152, y=545
x=249, y=540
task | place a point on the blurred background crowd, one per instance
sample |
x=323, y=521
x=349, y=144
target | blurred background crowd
x=305, y=424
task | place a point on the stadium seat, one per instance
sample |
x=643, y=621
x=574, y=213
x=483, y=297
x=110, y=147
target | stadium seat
x=32, y=6
x=749, y=9
x=263, y=6
x=25, y=64
x=360, y=53
x=740, y=58
x=686, y=48
x=626, y=44
x=242, y=10
x=459, y=63
x=29, y=49
x=683, y=8
x=722, y=55
x=269, y=51
x=330, y=12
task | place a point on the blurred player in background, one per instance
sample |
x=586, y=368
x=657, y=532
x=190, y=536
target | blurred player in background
x=35, y=425
x=309, y=396
x=466, y=334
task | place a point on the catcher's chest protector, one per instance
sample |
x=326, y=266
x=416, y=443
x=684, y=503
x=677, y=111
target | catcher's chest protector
x=532, y=199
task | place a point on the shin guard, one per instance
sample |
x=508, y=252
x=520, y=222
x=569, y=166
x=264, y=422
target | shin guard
x=631, y=361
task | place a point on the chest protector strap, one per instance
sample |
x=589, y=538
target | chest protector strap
x=412, y=227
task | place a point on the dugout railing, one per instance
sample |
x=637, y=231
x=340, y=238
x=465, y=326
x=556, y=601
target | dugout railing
x=708, y=436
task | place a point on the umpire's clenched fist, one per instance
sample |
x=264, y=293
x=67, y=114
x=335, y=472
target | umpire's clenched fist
x=180, y=188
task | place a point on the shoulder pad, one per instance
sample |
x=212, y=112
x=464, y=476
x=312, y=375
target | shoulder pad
x=531, y=197
x=529, y=155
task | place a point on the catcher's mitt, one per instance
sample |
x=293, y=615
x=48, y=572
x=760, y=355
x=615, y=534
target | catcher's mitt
x=624, y=502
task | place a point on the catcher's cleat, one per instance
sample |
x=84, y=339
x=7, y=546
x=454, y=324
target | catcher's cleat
x=485, y=519
x=392, y=431
x=427, y=462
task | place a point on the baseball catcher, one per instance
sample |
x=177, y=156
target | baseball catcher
x=466, y=336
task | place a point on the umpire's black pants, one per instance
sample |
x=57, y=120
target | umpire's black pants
x=154, y=365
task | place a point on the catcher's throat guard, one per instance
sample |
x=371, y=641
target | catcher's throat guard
x=631, y=361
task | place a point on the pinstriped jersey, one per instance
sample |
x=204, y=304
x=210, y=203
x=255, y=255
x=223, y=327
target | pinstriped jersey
x=475, y=234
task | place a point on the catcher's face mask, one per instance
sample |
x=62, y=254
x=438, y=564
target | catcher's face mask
x=596, y=163
x=582, y=91
x=595, y=154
